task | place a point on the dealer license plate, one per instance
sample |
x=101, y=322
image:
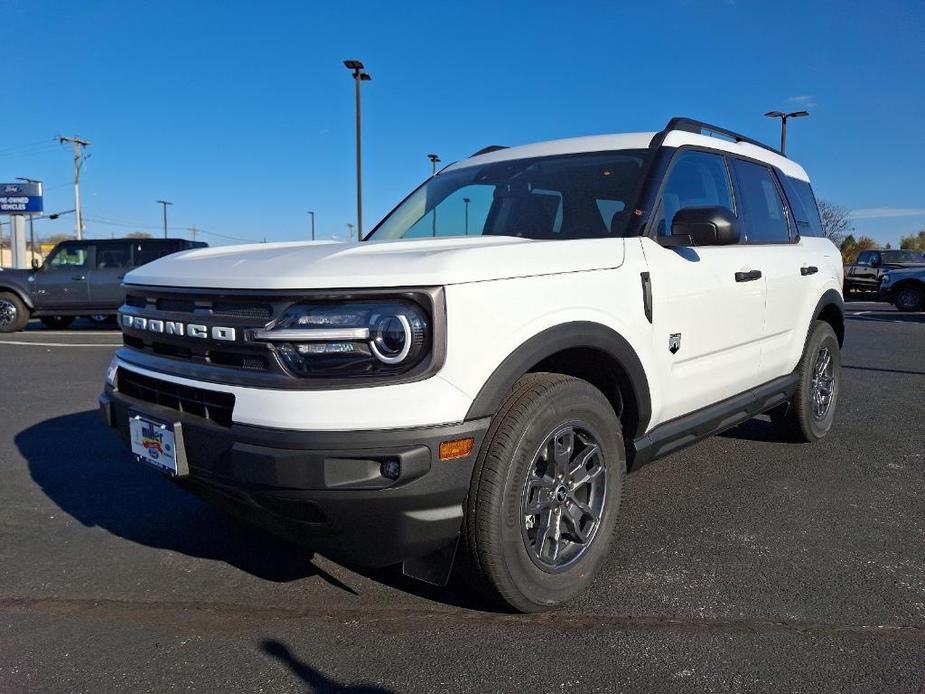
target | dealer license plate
x=157, y=443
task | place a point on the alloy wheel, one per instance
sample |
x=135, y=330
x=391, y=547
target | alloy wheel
x=563, y=497
x=8, y=313
x=823, y=383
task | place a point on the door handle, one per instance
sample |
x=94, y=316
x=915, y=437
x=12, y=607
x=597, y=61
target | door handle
x=808, y=270
x=79, y=277
x=748, y=276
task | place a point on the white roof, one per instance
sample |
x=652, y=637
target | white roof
x=603, y=143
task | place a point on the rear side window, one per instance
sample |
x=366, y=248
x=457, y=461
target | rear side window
x=697, y=179
x=113, y=256
x=804, y=207
x=147, y=251
x=760, y=205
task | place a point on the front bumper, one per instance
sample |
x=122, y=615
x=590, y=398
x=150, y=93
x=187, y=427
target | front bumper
x=886, y=293
x=325, y=488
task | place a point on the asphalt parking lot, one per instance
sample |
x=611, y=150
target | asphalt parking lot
x=741, y=564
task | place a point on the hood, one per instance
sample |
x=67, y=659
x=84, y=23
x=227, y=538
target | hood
x=906, y=269
x=405, y=262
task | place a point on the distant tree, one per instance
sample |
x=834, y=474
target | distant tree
x=138, y=235
x=836, y=221
x=850, y=248
x=913, y=242
x=58, y=238
x=888, y=246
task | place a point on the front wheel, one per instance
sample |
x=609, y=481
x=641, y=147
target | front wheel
x=13, y=313
x=545, y=493
x=909, y=298
x=56, y=322
x=810, y=413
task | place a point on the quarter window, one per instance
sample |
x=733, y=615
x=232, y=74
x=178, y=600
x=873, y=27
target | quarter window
x=697, y=179
x=760, y=205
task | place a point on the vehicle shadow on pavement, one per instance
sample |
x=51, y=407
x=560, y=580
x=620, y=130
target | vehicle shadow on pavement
x=88, y=473
x=754, y=429
x=312, y=677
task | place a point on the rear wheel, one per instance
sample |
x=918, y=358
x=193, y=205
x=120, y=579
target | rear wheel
x=13, y=313
x=909, y=298
x=810, y=413
x=545, y=493
x=56, y=322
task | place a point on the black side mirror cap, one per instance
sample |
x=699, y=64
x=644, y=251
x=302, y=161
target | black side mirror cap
x=36, y=264
x=704, y=226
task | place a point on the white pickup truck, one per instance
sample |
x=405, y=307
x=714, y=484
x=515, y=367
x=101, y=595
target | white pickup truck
x=470, y=384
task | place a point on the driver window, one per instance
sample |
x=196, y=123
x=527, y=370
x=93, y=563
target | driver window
x=69, y=257
x=697, y=179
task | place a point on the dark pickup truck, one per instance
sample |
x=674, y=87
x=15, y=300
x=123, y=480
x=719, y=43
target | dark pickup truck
x=866, y=273
x=78, y=278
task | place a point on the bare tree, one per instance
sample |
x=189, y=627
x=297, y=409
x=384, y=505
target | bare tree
x=836, y=222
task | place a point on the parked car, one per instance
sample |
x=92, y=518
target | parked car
x=905, y=289
x=865, y=274
x=472, y=382
x=78, y=278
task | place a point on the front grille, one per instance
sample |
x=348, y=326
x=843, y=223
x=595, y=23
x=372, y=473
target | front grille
x=243, y=314
x=208, y=404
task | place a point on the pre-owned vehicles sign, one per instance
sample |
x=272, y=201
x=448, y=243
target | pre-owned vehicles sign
x=20, y=198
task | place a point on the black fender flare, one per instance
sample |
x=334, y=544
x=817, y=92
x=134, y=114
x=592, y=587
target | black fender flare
x=578, y=334
x=18, y=292
x=830, y=301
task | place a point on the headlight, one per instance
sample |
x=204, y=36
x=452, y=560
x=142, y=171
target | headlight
x=886, y=279
x=343, y=339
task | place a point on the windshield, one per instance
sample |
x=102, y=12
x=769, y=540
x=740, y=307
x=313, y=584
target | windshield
x=902, y=257
x=559, y=197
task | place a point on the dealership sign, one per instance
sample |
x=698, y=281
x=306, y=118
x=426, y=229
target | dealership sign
x=20, y=198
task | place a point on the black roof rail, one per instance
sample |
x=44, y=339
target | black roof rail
x=692, y=125
x=486, y=150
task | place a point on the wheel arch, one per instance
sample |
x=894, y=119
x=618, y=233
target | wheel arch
x=831, y=309
x=19, y=293
x=587, y=350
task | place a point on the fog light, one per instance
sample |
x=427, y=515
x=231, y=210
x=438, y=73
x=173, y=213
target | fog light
x=390, y=469
x=458, y=448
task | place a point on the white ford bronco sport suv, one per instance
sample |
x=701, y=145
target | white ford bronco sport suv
x=471, y=383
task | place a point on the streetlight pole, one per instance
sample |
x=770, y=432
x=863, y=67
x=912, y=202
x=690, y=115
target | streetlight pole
x=783, y=125
x=358, y=76
x=434, y=160
x=164, y=204
x=312, y=213
x=466, y=201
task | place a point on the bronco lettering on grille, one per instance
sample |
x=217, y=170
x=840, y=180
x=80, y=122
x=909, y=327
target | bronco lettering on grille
x=170, y=327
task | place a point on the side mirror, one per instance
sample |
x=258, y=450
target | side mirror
x=705, y=226
x=36, y=264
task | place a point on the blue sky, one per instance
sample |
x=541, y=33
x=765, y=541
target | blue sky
x=242, y=113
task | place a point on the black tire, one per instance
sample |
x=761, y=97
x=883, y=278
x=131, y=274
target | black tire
x=14, y=314
x=498, y=555
x=56, y=322
x=909, y=298
x=805, y=419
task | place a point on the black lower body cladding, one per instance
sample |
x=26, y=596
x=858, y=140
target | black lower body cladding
x=326, y=490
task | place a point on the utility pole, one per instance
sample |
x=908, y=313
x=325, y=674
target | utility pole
x=783, y=125
x=193, y=231
x=164, y=204
x=79, y=157
x=312, y=213
x=358, y=76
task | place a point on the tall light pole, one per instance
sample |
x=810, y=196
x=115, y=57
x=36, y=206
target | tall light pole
x=434, y=160
x=164, y=204
x=312, y=213
x=358, y=76
x=466, y=201
x=31, y=219
x=783, y=125
x=79, y=157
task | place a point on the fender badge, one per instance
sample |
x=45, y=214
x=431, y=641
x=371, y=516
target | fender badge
x=674, y=342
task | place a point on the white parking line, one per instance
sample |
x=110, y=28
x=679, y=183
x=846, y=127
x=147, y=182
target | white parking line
x=61, y=344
